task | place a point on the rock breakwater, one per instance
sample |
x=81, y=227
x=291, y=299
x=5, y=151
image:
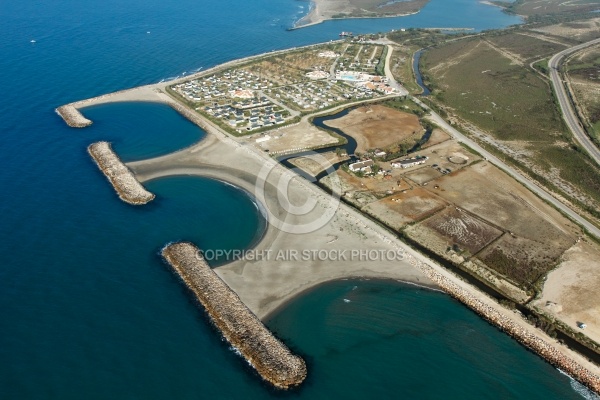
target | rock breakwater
x=542, y=347
x=269, y=356
x=72, y=116
x=126, y=185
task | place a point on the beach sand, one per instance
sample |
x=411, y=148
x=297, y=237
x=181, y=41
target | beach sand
x=267, y=283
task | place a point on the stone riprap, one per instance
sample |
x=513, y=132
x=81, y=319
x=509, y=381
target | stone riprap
x=123, y=180
x=73, y=117
x=542, y=347
x=274, y=362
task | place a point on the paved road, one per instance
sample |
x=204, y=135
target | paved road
x=512, y=172
x=569, y=115
x=388, y=73
x=542, y=193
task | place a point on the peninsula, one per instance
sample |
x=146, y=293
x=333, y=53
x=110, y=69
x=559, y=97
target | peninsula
x=437, y=198
x=322, y=10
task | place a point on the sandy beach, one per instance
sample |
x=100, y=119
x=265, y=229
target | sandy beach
x=292, y=262
x=323, y=10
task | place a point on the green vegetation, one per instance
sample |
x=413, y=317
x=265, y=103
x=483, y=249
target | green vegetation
x=380, y=68
x=542, y=66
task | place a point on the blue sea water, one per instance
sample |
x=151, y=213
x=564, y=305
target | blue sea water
x=88, y=310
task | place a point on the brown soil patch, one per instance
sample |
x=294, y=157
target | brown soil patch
x=423, y=175
x=465, y=230
x=301, y=136
x=379, y=127
x=437, y=136
x=571, y=290
x=539, y=233
x=520, y=259
x=403, y=208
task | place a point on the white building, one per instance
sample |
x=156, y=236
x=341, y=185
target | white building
x=361, y=165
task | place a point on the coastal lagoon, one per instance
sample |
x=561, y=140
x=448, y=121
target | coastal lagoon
x=88, y=308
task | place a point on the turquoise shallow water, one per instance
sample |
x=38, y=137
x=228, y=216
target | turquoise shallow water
x=88, y=309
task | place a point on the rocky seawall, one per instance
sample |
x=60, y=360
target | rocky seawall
x=542, y=347
x=123, y=180
x=73, y=117
x=274, y=362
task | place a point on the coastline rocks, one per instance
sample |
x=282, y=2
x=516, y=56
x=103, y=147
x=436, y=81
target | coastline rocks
x=73, y=117
x=268, y=356
x=525, y=337
x=122, y=179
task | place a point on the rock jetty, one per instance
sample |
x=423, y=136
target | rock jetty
x=542, y=347
x=274, y=362
x=73, y=117
x=122, y=179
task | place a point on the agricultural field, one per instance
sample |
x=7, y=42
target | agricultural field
x=463, y=229
x=486, y=86
x=583, y=71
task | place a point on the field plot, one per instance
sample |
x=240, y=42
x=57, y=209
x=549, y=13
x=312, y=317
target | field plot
x=423, y=175
x=301, y=136
x=571, y=290
x=407, y=207
x=379, y=127
x=437, y=136
x=537, y=234
x=463, y=229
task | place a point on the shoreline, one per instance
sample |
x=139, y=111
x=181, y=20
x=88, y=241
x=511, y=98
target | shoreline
x=313, y=18
x=307, y=290
x=264, y=286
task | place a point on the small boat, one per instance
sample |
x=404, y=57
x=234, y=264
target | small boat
x=344, y=34
x=346, y=301
x=32, y=41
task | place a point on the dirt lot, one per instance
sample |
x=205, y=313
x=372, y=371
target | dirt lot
x=407, y=207
x=300, y=136
x=539, y=234
x=423, y=175
x=379, y=127
x=463, y=229
x=437, y=136
x=571, y=291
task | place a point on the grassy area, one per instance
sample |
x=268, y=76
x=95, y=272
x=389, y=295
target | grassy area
x=380, y=68
x=491, y=91
x=477, y=82
x=528, y=48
